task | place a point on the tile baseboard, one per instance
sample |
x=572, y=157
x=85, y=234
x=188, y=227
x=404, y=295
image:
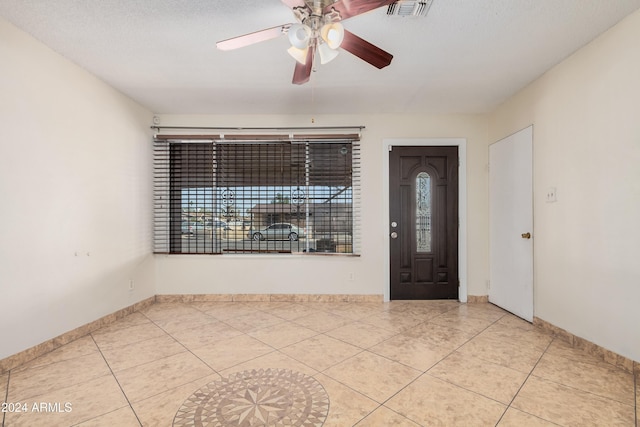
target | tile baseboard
x=54, y=343
x=25, y=356
x=477, y=299
x=608, y=356
x=269, y=298
x=29, y=354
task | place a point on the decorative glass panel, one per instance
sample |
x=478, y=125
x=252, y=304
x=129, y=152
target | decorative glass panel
x=423, y=212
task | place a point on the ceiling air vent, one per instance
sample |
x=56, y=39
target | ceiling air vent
x=409, y=8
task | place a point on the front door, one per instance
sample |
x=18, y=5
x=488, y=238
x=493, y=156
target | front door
x=423, y=229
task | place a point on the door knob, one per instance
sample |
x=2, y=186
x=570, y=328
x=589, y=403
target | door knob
x=526, y=235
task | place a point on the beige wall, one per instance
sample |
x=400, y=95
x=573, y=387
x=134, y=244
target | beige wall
x=331, y=275
x=75, y=168
x=586, y=121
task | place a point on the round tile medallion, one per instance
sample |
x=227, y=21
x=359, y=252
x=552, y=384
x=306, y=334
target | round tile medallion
x=264, y=397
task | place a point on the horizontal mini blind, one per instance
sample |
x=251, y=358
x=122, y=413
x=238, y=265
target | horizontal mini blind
x=247, y=196
x=184, y=177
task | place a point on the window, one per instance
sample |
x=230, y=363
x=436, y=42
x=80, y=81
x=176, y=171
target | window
x=256, y=196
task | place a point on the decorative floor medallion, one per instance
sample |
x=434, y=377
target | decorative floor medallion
x=271, y=397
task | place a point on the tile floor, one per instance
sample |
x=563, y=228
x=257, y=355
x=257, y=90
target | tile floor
x=428, y=363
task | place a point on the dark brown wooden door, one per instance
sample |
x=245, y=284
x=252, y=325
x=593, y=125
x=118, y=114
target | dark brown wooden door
x=423, y=229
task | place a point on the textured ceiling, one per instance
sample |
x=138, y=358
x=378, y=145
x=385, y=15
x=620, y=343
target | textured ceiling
x=466, y=56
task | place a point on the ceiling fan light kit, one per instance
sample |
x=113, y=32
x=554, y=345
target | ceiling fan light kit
x=300, y=35
x=299, y=55
x=319, y=29
x=332, y=34
x=327, y=53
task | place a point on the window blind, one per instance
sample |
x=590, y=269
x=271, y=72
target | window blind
x=256, y=196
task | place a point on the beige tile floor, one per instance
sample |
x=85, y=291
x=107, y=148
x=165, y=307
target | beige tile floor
x=427, y=363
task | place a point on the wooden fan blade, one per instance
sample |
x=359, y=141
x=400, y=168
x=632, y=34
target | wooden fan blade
x=302, y=73
x=350, y=8
x=251, y=38
x=365, y=50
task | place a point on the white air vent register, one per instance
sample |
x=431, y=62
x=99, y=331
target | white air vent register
x=409, y=8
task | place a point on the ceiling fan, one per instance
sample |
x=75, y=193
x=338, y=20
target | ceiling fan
x=319, y=29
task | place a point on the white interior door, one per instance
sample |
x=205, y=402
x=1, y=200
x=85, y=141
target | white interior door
x=511, y=223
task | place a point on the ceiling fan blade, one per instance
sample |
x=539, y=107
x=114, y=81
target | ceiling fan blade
x=350, y=8
x=365, y=50
x=302, y=73
x=252, y=38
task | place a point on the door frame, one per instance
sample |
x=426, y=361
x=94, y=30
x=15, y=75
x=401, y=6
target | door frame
x=461, y=143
